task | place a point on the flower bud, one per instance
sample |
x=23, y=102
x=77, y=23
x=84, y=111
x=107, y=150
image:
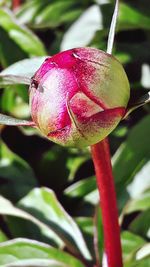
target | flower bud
x=78, y=97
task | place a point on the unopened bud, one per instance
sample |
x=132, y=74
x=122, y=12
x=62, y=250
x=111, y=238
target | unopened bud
x=78, y=97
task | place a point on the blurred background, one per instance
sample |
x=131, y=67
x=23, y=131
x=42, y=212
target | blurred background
x=35, y=28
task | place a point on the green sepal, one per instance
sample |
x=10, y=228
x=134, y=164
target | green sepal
x=8, y=120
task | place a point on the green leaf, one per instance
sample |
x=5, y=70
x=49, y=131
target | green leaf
x=93, y=197
x=140, y=225
x=15, y=100
x=69, y=161
x=133, y=50
x=18, y=177
x=82, y=188
x=138, y=204
x=6, y=56
x=7, y=208
x=134, y=153
x=131, y=243
x=139, y=263
x=74, y=162
x=48, y=167
x=136, y=188
x=85, y=189
x=3, y=237
x=98, y=236
x=53, y=14
x=134, y=18
x=145, y=80
x=143, y=252
x=28, y=10
x=86, y=224
x=40, y=15
x=43, y=204
x=8, y=120
x=26, y=39
x=20, y=72
x=24, y=252
x=83, y=30
x=35, y=263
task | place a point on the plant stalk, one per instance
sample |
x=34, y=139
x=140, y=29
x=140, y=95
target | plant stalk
x=108, y=203
x=15, y=4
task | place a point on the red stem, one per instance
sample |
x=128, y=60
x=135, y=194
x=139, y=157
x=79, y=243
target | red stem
x=15, y=4
x=108, y=203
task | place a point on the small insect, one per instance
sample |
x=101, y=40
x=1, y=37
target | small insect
x=34, y=83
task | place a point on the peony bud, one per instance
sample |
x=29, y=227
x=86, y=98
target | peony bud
x=78, y=97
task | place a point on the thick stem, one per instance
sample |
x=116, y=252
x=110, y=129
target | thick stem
x=105, y=182
x=15, y=4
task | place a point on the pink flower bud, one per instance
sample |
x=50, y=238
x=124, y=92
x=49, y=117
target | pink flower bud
x=78, y=96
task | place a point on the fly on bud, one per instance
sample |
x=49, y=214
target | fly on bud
x=78, y=97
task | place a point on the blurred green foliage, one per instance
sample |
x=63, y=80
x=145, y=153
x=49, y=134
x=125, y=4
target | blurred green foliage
x=35, y=222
